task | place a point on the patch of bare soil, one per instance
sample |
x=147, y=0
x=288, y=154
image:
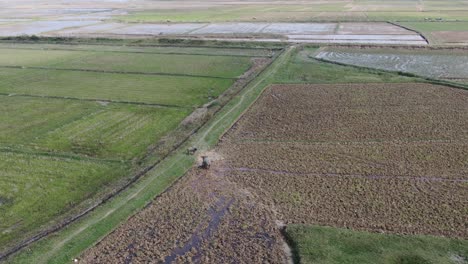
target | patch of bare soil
x=356, y=112
x=378, y=157
x=451, y=36
x=204, y=218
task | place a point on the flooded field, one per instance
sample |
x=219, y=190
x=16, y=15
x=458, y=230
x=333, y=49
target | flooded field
x=39, y=27
x=377, y=33
x=436, y=64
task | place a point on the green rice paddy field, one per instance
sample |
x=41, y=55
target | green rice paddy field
x=65, y=134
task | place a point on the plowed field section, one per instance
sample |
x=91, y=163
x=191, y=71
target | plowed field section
x=379, y=157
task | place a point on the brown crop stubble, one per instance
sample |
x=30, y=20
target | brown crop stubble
x=380, y=157
x=203, y=218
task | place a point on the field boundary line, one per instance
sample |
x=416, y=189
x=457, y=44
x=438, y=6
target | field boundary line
x=410, y=29
x=61, y=155
x=117, y=72
x=143, y=52
x=242, y=98
x=405, y=74
x=66, y=41
x=363, y=176
x=94, y=100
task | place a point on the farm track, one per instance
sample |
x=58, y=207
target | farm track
x=123, y=196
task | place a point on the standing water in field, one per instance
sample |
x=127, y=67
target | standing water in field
x=429, y=64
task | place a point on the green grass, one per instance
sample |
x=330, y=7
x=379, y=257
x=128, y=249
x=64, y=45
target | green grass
x=113, y=131
x=166, y=90
x=235, y=13
x=25, y=57
x=450, y=10
x=418, y=16
x=23, y=120
x=34, y=189
x=326, y=245
x=217, y=66
x=123, y=132
x=303, y=69
x=426, y=27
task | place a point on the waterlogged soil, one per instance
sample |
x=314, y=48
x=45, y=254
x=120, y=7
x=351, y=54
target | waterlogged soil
x=448, y=64
x=378, y=157
x=204, y=218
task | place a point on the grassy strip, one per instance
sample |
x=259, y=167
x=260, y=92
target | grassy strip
x=315, y=244
x=69, y=242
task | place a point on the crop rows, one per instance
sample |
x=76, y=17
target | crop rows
x=202, y=218
x=34, y=189
x=164, y=90
x=86, y=128
x=357, y=112
x=380, y=157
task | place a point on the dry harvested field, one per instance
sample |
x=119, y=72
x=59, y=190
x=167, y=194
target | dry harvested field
x=204, y=218
x=380, y=157
x=451, y=37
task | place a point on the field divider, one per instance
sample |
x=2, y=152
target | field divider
x=96, y=100
x=61, y=155
x=118, y=72
x=136, y=43
x=360, y=176
x=410, y=29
